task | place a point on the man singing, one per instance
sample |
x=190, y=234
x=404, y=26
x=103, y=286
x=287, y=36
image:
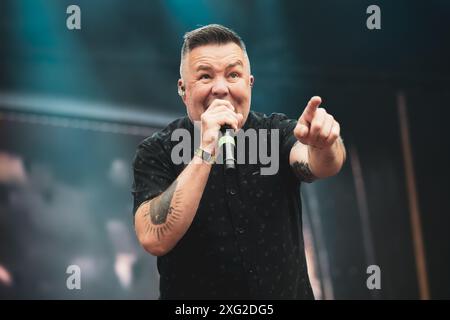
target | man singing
x=229, y=234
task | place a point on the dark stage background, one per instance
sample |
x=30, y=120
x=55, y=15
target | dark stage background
x=74, y=104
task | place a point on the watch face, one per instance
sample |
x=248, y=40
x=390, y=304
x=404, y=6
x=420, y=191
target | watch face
x=206, y=156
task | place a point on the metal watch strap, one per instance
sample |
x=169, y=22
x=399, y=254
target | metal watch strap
x=205, y=156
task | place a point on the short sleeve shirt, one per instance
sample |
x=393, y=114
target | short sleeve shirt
x=245, y=241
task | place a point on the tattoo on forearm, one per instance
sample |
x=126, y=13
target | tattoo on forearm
x=163, y=212
x=303, y=172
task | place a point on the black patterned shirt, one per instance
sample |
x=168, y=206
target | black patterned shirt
x=246, y=238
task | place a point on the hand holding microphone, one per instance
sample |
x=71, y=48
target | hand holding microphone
x=220, y=113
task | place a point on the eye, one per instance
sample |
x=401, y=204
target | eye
x=234, y=75
x=205, y=76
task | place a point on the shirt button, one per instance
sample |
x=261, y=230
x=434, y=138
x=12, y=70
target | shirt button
x=232, y=191
x=240, y=230
x=250, y=271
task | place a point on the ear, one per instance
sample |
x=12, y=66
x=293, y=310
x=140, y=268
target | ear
x=252, y=80
x=181, y=89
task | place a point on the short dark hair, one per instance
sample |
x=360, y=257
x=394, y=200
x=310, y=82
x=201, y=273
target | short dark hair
x=210, y=34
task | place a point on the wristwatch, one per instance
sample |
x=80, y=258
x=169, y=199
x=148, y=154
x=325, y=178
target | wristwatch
x=205, y=156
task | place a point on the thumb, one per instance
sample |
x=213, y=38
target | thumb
x=303, y=130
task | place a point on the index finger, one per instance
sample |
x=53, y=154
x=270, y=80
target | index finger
x=311, y=107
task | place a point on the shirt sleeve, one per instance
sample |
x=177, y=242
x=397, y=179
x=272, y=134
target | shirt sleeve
x=153, y=172
x=287, y=138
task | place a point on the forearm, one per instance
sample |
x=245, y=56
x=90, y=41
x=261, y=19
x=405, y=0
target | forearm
x=326, y=162
x=162, y=222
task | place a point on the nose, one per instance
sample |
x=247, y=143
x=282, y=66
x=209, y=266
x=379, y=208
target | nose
x=220, y=88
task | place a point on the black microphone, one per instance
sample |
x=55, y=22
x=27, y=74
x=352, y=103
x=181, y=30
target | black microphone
x=227, y=141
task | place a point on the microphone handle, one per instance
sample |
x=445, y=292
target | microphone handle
x=230, y=162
